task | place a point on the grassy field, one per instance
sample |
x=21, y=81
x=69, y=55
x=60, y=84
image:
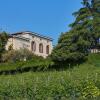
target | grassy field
x=80, y=83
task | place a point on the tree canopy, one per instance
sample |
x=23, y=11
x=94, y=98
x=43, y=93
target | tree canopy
x=74, y=46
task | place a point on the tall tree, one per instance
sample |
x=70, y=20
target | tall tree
x=96, y=18
x=94, y=8
x=74, y=45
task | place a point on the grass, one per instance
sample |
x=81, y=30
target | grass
x=94, y=59
x=53, y=85
x=80, y=83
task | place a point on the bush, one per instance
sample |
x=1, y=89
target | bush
x=17, y=55
x=34, y=64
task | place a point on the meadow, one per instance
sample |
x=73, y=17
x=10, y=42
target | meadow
x=80, y=83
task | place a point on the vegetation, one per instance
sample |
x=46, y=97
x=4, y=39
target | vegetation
x=41, y=80
x=80, y=83
x=18, y=55
x=35, y=65
x=74, y=46
x=23, y=60
x=96, y=17
x=3, y=40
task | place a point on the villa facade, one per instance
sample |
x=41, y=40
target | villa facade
x=38, y=44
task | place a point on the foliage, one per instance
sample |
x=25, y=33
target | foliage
x=70, y=50
x=34, y=64
x=94, y=59
x=3, y=41
x=10, y=47
x=74, y=46
x=81, y=83
x=96, y=17
x=18, y=55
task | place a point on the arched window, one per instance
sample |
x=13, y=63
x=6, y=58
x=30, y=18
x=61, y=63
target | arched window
x=41, y=48
x=33, y=46
x=47, y=49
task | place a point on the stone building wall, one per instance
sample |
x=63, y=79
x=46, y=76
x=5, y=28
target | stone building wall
x=38, y=45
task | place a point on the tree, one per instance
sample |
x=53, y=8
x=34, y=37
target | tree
x=94, y=8
x=96, y=19
x=74, y=46
x=3, y=41
x=67, y=50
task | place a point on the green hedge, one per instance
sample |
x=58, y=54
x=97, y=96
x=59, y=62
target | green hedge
x=34, y=65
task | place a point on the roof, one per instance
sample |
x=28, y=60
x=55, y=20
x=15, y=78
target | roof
x=34, y=34
x=23, y=38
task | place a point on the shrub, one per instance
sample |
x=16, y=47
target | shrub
x=17, y=55
x=90, y=90
x=10, y=47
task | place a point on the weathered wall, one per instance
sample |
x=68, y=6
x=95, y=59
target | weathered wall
x=20, y=43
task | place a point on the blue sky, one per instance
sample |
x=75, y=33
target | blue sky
x=47, y=17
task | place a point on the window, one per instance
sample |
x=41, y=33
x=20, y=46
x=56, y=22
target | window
x=41, y=48
x=47, y=49
x=33, y=46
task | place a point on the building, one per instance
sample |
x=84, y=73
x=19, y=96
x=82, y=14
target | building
x=38, y=44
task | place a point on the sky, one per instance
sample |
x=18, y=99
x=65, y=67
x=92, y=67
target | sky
x=46, y=17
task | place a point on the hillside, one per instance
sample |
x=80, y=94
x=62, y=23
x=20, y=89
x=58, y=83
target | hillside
x=94, y=59
x=82, y=83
